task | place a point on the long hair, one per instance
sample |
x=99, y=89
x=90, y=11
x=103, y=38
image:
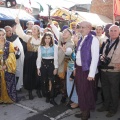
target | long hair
x=51, y=40
x=3, y=30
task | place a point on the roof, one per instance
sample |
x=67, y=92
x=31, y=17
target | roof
x=11, y=14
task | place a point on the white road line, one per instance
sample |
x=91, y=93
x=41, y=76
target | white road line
x=25, y=107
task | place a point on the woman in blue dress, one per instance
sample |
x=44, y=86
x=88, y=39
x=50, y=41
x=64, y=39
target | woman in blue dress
x=47, y=65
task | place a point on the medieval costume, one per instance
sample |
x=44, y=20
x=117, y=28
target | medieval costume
x=20, y=60
x=7, y=77
x=86, y=65
x=30, y=72
x=63, y=59
x=47, y=62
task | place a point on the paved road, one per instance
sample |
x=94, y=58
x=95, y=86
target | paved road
x=28, y=108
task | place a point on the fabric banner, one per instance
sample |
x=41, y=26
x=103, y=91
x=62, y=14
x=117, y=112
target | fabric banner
x=116, y=8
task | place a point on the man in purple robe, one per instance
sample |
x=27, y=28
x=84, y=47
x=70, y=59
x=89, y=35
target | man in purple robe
x=87, y=57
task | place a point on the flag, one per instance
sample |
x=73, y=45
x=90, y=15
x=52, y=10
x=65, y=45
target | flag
x=40, y=7
x=10, y=3
x=27, y=6
x=116, y=8
x=1, y=2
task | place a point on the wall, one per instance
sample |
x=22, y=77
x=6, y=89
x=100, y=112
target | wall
x=103, y=8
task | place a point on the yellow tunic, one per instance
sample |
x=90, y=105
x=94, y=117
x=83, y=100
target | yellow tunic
x=11, y=68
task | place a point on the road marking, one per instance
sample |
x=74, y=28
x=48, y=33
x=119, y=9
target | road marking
x=59, y=116
x=25, y=107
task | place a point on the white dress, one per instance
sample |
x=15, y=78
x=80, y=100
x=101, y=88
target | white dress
x=20, y=63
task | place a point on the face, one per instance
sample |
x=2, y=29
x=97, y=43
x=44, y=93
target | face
x=114, y=32
x=73, y=26
x=77, y=29
x=56, y=25
x=84, y=28
x=13, y=29
x=99, y=31
x=66, y=34
x=47, y=39
x=30, y=25
x=8, y=32
x=2, y=35
x=35, y=31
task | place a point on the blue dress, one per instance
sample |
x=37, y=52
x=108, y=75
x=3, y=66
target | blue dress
x=70, y=68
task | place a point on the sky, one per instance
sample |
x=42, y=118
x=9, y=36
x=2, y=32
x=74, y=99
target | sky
x=53, y=3
x=60, y=3
x=64, y=3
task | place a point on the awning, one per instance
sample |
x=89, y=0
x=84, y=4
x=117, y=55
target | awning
x=11, y=14
x=94, y=19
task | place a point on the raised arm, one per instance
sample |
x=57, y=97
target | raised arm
x=20, y=32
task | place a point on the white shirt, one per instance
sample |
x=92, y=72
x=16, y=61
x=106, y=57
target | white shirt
x=94, y=55
x=39, y=58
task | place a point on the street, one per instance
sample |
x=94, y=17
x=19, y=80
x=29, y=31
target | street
x=38, y=109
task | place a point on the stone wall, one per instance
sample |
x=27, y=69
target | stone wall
x=102, y=8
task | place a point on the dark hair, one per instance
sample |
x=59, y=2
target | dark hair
x=43, y=39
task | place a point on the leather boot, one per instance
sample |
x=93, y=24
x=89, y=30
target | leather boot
x=85, y=115
x=38, y=92
x=63, y=99
x=52, y=101
x=48, y=97
x=30, y=95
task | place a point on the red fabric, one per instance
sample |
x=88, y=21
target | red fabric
x=116, y=7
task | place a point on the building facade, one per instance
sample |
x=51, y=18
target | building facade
x=102, y=7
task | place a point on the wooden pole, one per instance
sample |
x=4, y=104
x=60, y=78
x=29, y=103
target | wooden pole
x=113, y=13
x=20, y=9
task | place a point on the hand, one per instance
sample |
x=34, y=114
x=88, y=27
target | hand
x=55, y=71
x=38, y=72
x=16, y=48
x=90, y=78
x=50, y=21
x=4, y=67
x=117, y=66
x=63, y=48
x=75, y=38
x=71, y=79
x=17, y=20
x=74, y=72
x=102, y=57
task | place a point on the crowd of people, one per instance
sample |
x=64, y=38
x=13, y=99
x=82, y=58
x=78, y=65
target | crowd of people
x=70, y=61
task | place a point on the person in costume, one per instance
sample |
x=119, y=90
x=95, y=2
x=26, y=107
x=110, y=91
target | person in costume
x=30, y=78
x=47, y=65
x=87, y=57
x=65, y=47
x=19, y=56
x=7, y=70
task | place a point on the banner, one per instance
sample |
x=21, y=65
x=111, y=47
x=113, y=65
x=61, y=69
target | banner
x=116, y=8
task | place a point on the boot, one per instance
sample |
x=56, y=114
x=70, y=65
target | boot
x=30, y=95
x=48, y=97
x=52, y=101
x=63, y=99
x=85, y=115
x=38, y=92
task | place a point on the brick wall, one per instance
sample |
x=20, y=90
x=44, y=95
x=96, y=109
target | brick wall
x=102, y=8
